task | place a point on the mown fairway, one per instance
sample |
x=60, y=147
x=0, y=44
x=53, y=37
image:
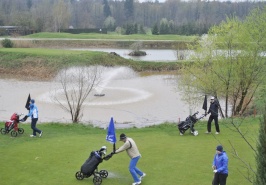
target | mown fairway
x=167, y=158
x=111, y=36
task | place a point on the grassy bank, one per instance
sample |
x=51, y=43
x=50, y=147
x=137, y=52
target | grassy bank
x=24, y=62
x=167, y=158
x=112, y=36
x=110, y=40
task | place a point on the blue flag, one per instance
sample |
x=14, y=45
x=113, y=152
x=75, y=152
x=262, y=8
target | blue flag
x=111, y=132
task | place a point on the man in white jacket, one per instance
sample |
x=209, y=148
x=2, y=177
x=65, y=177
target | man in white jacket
x=133, y=152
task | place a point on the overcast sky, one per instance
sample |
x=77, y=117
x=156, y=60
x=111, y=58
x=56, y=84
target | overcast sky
x=192, y=0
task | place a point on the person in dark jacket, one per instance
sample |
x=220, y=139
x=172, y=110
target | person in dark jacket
x=214, y=116
x=220, y=166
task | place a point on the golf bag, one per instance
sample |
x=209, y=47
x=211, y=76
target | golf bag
x=189, y=123
x=91, y=163
x=90, y=167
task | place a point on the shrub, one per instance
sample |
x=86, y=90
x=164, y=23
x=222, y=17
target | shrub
x=7, y=43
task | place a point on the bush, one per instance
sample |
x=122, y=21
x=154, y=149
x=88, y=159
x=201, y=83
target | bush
x=7, y=43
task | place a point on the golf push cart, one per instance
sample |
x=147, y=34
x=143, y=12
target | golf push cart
x=189, y=123
x=90, y=166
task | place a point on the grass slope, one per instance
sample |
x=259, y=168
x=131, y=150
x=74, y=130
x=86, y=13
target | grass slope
x=111, y=36
x=23, y=62
x=167, y=158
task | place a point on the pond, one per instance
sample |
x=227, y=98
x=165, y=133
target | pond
x=131, y=99
x=155, y=55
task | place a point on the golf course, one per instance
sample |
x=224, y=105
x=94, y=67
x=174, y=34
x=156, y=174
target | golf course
x=167, y=157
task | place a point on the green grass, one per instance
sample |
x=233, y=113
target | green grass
x=112, y=36
x=43, y=51
x=167, y=158
x=55, y=59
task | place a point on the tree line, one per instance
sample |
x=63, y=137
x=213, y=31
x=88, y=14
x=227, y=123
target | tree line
x=122, y=16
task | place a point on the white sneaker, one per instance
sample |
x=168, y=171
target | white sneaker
x=143, y=175
x=40, y=134
x=207, y=132
x=136, y=183
x=181, y=134
x=217, y=132
x=32, y=136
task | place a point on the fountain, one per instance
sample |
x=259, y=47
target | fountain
x=132, y=100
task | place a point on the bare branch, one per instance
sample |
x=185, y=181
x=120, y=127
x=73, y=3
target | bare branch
x=76, y=85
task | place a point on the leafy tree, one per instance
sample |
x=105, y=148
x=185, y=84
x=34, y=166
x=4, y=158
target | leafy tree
x=23, y=19
x=109, y=23
x=129, y=29
x=172, y=28
x=155, y=30
x=42, y=21
x=129, y=9
x=141, y=29
x=164, y=27
x=7, y=43
x=106, y=9
x=260, y=178
x=29, y=4
x=227, y=62
x=136, y=28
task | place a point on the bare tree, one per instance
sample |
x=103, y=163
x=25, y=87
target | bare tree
x=61, y=12
x=76, y=83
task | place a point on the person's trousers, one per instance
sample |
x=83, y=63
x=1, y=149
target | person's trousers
x=219, y=179
x=33, y=126
x=215, y=118
x=134, y=170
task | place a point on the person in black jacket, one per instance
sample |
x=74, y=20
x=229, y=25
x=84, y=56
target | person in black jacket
x=214, y=116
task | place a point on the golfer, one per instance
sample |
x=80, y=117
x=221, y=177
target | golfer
x=214, y=116
x=34, y=118
x=133, y=152
x=220, y=166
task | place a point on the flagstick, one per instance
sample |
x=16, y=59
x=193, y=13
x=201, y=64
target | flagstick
x=114, y=147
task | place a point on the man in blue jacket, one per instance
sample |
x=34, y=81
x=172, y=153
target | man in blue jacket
x=34, y=118
x=220, y=166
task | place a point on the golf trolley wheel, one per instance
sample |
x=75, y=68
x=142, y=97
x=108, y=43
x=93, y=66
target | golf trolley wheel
x=3, y=131
x=103, y=173
x=79, y=175
x=20, y=130
x=14, y=133
x=97, y=180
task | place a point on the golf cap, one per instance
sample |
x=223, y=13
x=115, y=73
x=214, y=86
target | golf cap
x=219, y=148
x=123, y=136
x=32, y=101
x=212, y=98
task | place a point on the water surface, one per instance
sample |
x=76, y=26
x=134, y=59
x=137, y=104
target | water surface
x=131, y=99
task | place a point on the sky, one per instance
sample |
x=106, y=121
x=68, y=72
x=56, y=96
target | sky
x=161, y=1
